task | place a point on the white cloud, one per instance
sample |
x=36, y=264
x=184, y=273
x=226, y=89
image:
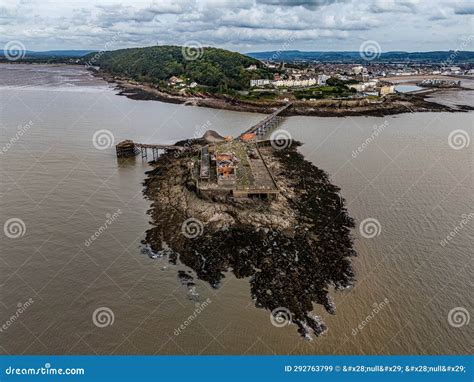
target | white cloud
x=394, y=6
x=241, y=25
x=464, y=9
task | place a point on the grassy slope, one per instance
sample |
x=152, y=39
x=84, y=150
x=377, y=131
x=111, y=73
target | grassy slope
x=217, y=68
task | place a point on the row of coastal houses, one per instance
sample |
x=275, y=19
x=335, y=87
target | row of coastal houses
x=374, y=87
x=179, y=82
x=320, y=80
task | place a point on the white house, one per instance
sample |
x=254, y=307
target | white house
x=259, y=82
x=322, y=78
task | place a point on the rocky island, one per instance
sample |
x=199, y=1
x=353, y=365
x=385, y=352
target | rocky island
x=292, y=245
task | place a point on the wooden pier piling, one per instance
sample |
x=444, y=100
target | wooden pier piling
x=126, y=149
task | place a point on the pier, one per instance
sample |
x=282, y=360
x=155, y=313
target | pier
x=128, y=148
x=267, y=124
x=226, y=166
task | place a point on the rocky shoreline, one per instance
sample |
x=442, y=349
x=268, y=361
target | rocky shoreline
x=293, y=249
x=389, y=105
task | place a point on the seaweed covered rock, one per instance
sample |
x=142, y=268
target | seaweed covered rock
x=292, y=249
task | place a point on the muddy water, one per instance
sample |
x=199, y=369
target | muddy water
x=64, y=190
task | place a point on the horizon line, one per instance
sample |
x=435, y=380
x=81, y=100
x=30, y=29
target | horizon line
x=255, y=51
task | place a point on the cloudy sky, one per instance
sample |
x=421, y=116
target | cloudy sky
x=241, y=25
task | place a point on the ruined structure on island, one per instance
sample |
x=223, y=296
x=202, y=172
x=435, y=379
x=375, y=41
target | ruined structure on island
x=234, y=168
x=224, y=166
x=208, y=215
x=437, y=83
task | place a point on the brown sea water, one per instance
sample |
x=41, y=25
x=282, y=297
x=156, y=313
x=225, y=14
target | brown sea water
x=407, y=177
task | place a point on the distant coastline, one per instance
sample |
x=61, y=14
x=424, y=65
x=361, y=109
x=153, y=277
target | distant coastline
x=390, y=105
x=399, y=103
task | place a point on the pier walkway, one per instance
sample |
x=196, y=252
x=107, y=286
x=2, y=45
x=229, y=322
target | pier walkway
x=128, y=148
x=267, y=124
